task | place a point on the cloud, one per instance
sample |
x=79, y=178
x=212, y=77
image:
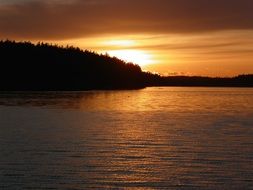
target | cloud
x=37, y=19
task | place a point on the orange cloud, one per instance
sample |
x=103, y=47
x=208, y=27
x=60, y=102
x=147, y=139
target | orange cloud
x=37, y=19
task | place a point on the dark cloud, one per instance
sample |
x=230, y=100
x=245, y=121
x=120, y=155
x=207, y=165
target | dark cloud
x=62, y=20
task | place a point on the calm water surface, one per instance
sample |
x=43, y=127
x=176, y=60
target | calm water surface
x=155, y=138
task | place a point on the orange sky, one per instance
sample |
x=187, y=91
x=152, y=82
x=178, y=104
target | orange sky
x=172, y=37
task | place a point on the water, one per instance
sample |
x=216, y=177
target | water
x=155, y=138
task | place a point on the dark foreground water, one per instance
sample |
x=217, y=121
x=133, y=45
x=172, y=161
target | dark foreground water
x=156, y=138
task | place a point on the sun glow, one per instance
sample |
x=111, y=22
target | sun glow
x=139, y=57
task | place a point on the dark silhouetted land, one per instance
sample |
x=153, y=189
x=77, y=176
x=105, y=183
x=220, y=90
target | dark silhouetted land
x=43, y=67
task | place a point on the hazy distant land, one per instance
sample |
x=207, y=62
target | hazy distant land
x=43, y=67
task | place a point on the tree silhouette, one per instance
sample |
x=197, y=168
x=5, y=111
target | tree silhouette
x=43, y=66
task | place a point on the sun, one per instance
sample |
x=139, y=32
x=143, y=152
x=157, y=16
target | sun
x=128, y=50
x=139, y=57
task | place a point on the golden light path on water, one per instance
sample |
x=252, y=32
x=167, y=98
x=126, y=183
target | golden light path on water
x=154, y=138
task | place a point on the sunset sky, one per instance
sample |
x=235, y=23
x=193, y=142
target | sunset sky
x=172, y=37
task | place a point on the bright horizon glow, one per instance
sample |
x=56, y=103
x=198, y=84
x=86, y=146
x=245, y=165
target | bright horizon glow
x=215, y=54
x=124, y=49
x=139, y=57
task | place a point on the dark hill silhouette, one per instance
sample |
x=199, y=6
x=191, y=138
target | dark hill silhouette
x=25, y=66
